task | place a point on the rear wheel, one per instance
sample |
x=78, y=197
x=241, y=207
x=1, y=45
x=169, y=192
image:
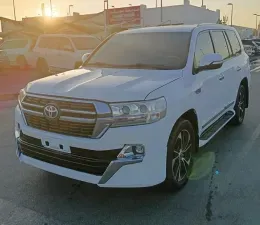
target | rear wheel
x=240, y=107
x=42, y=67
x=181, y=145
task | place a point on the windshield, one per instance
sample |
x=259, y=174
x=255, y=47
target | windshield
x=85, y=43
x=12, y=44
x=161, y=50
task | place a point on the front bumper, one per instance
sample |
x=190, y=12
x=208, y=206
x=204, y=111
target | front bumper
x=144, y=171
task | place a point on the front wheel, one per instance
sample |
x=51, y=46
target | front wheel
x=240, y=107
x=181, y=145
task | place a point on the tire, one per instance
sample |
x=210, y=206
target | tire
x=180, y=153
x=42, y=67
x=240, y=106
x=21, y=62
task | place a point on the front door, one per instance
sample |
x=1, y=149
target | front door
x=207, y=84
x=66, y=54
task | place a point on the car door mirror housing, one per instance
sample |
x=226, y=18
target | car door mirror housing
x=85, y=57
x=211, y=62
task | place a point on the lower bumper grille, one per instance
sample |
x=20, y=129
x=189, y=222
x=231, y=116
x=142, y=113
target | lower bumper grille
x=83, y=160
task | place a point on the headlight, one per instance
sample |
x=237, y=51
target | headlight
x=21, y=96
x=137, y=113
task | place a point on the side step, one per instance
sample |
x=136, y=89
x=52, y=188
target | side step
x=214, y=128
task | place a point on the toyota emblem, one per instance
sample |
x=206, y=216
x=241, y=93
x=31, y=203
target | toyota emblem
x=51, y=112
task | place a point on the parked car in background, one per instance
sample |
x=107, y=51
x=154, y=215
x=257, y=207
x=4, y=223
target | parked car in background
x=62, y=52
x=138, y=108
x=253, y=44
x=4, y=61
x=18, y=51
x=249, y=50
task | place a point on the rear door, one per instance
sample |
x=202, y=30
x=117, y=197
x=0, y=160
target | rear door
x=225, y=93
x=239, y=63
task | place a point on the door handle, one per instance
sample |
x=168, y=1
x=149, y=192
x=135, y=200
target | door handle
x=221, y=77
x=238, y=68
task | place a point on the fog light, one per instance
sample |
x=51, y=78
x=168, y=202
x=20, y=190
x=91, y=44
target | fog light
x=132, y=151
x=17, y=130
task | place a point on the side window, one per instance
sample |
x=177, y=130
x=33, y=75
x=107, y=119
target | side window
x=220, y=44
x=43, y=43
x=234, y=42
x=203, y=47
x=49, y=43
x=65, y=44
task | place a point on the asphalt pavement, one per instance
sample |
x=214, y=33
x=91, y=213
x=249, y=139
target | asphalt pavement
x=229, y=194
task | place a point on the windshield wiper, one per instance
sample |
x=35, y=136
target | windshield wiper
x=147, y=66
x=100, y=64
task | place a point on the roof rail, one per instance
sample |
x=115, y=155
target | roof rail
x=201, y=24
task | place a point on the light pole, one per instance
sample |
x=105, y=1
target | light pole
x=256, y=25
x=69, y=9
x=51, y=7
x=14, y=10
x=105, y=15
x=202, y=3
x=231, y=13
x=161, y=11
x=156, y=3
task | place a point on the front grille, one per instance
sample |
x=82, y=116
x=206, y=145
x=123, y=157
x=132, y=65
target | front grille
x=76, y=118
x=83, y=160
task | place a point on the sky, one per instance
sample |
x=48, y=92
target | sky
x=243, y=9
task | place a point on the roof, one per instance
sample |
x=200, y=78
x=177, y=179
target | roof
x=177, y=28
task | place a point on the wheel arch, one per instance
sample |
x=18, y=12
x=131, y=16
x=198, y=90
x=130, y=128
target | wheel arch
x=190, y=115
x=244, y=82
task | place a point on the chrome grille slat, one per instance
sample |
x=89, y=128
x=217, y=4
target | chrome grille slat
x=77, y=118
x=78, y=111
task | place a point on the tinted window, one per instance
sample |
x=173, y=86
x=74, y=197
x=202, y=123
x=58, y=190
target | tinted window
x=247, y=42
x=158, y=50
x=64, y=44
x=203, y=47
x=220, y=44
x=49, y=43
x=235, y=45
x=85, y=43
x=12, y=44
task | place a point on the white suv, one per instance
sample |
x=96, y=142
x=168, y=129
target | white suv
x=62, y=52
x=18, y=52
x=140, y=105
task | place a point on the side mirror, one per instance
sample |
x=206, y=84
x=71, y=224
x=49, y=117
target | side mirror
x=211, y=62
x=85, y=57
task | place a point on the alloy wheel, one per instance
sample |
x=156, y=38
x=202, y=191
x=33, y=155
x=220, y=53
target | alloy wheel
x=181, y=162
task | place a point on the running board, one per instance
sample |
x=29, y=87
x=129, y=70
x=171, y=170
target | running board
x=216, y=126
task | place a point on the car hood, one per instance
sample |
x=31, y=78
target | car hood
x=104, y=84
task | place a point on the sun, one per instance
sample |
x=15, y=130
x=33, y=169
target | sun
x=49, y=14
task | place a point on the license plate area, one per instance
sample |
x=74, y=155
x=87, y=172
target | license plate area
x=56, y=144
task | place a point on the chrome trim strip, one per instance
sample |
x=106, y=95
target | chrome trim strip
x=32, y=112
x=78, y=111
x=59, y=98
x=114, y=166
x=78, y=120
x=33, y=105
x=217, y=115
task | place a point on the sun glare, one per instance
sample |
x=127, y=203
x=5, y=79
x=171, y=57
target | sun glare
x=48, y=12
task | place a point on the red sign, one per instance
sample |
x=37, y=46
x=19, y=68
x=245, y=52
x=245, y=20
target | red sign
x=127, y=15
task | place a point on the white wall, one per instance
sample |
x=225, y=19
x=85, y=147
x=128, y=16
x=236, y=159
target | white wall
x=186, y=14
